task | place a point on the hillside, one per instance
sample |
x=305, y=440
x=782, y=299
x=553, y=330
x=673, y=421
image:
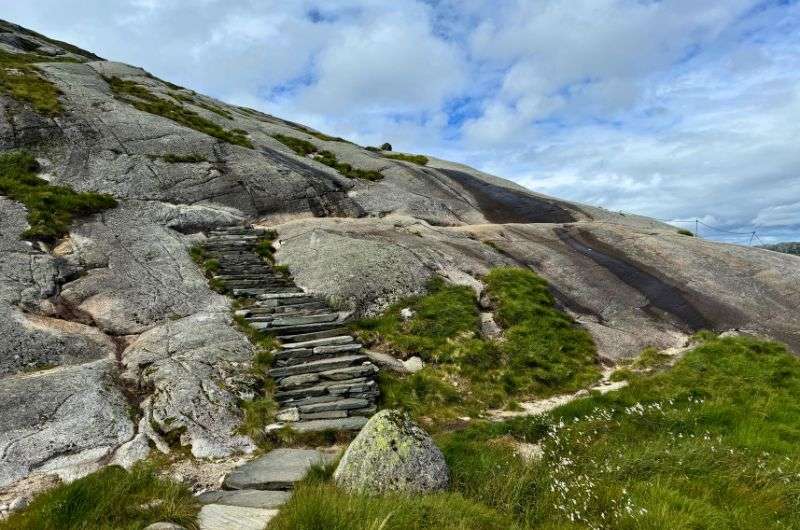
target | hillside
x=786, y=248
x=116, y=343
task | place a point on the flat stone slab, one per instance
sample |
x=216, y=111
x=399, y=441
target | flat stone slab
x=277, y=470
x=323, y=365
x=352, y=423
x=221, y=517
x=268, y=500
x=327, y=341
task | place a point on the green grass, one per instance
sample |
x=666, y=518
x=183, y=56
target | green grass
x=420, y=160
x=685, y=232
x=20, y=79
x=141, y=98
x=713, y=442
x=51, y=209
x=320, y=506
x=543, y=352
x=306, y=148
x=110, y=499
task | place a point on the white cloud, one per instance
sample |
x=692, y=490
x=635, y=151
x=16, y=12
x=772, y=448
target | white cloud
x=672, y=108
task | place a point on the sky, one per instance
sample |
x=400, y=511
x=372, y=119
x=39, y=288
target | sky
x=675, y=109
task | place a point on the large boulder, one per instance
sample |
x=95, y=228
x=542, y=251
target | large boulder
x=390, y=454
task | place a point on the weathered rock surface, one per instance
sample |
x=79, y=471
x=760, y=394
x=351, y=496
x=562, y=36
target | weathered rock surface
x=64, y=421
x=188, y=364
x=122, y=285
x=246, y=498
x=223, y=517
x=392, y=454
x=277, y=470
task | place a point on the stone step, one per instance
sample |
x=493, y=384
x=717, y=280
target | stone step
x=270, y=317
x=285, y=309
x=303, y=328
x=248, y=276
x=257, y=284
x=245, y=498
x=274, y=296
x=222, y=517
x=297, y=401
x=324, y=365
x=330, y=388
x=308, y=379
x=323, y=341
x=337, y=347
x=294, y=338
x=285, y=302
x=260, y=292
x=215, y=239
x=297, y=320
x=277, y=470
x=352, y=423
x=227, y=230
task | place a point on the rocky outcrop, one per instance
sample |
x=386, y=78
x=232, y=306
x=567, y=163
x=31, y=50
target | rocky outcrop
x=121, y=319
x=392, y=454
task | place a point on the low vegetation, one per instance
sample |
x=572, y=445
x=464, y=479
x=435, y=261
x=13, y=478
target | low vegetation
x=420, y=160
x=51, y=209
x=685, y=232
x=23, y=81
x=306, y=148
x=542, y=353
x=144, y=100
x=709, y=443
x=185, y=98
x=111, y=498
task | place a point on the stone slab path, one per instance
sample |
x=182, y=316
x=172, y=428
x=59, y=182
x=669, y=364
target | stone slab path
x=324, y=382
x=257, y=489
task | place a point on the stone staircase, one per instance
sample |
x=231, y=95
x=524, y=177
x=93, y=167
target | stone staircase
x=324, y=382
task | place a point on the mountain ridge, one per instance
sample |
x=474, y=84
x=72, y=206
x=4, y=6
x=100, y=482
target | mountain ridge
x=118, y=308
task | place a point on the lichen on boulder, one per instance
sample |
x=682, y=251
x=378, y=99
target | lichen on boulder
x=392, y=454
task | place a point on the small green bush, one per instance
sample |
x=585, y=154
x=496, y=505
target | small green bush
x=306, y=148
x=137, y=95
x=51, y=209
x=685, y=232
x=386, y=147
x=110, y=499
x=414, y=159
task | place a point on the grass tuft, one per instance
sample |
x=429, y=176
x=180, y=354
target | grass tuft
x=20, y=79
x=141, y=98
x=306, y=148
x=685, y=232
x=420, y=160
x=51, y=209
x=543, y=352
x=111, y=498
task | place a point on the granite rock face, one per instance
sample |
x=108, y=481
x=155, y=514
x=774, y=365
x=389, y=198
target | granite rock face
x=117, y=318
x=392, y=454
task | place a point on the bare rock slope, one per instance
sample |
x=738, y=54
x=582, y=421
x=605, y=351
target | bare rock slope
x=112, y=340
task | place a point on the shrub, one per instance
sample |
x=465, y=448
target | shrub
x=685, y=232
x=110, y=498
x=414, y=159
x=51, y=209
x=386, y=147
x=137, y=95
x=306, y=148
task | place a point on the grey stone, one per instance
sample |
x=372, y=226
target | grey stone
x=338, y=349
x=246, y=498
x=290, y=414
x=342, y=404
x=392, y=454
x=184, y=361
x=384, y=361
x=277, y=470
x=352, y=423
x=164, y=526
x=64, y=421
x=323, y=365
x=327, y=341
x=223, y=517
